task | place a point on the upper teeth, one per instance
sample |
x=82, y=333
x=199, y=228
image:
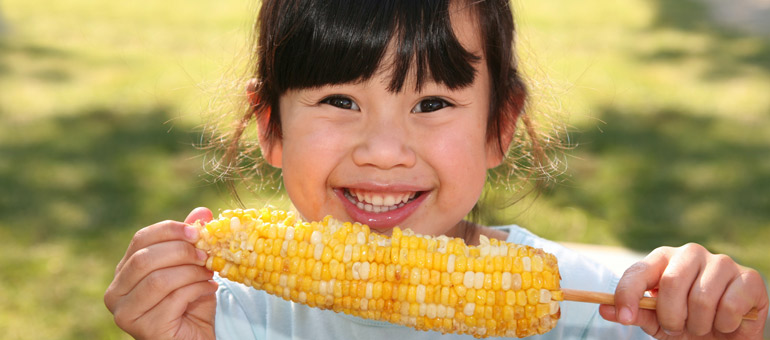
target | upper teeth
x=378, y=199
x=380, y=202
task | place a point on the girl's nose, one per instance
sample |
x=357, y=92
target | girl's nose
x=384, y=144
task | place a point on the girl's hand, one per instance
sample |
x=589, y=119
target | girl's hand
x=700, y=295
x=161, y=289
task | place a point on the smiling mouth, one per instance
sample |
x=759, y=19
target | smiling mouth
x=379, y=202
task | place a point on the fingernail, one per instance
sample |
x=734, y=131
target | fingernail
x=625, y=315
x=672, y=333
x=201, y=254
x=191, y=233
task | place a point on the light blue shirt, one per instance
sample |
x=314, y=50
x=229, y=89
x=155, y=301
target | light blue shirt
x=247, y=313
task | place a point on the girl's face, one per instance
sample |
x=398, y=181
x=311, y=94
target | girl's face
x=360, y=152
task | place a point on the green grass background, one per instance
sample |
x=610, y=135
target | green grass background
x=101, y=104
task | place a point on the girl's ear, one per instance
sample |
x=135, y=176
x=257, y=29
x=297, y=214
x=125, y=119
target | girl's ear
x=496, y=152
x=509, y=113
x=271, y=147
x=498, y=147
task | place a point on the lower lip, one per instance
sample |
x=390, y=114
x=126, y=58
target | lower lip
x=382, y=221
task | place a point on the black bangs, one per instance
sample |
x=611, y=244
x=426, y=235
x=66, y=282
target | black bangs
x=318, y=43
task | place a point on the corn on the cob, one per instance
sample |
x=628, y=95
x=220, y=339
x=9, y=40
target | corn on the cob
x=428, y=283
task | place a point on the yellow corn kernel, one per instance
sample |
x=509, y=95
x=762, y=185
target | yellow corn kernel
x=429, y=283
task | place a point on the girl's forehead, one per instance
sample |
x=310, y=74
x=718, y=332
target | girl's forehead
x=465, y=26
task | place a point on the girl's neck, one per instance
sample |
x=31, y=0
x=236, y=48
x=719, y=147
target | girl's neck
x=470, y=232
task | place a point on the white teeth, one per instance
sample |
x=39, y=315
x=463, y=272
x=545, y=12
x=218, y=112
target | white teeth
x=378, y=203
x=377, y=200
x=389, y=200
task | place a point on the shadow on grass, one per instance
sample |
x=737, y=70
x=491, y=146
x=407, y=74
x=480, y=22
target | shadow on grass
x=727, y=53
x=11, y=47
x=674, y=177
x=81, y=177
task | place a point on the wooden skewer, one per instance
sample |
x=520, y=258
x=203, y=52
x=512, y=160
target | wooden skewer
x=609, y=299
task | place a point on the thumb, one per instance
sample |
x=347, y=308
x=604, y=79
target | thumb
x=637, y=279
x=201, y=214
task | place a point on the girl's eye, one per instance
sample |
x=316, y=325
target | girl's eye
x=430, y=105
x=341, y=102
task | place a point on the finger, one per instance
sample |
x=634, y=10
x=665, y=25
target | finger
x=166, y=231
x=201, y=214
x=157, y=233
x=647, y=319
x=168, y=313
x=158, y=285
x=706, y=292
x=153, y=258
x=637, y=279
x=192, y=296
x=745, y=292
x=674, y=287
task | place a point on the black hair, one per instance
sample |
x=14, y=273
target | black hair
x=311, y=43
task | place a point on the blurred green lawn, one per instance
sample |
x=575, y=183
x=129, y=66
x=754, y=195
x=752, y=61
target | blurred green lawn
x=101, y=105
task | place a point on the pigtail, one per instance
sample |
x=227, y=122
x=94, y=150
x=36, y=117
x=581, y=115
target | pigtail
x=231, y=137
x=232, y=157
x=231, y=143
x=540, y=161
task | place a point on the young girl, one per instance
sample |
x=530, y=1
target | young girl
x=390, y=113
